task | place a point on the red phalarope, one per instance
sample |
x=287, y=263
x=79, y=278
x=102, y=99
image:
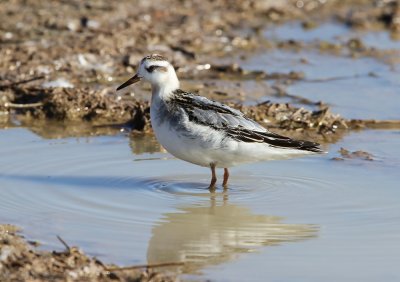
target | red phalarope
x=208, y=133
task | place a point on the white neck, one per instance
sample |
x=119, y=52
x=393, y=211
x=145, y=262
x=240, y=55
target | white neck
x=163, y=90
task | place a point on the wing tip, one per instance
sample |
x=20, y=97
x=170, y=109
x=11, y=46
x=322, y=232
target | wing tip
x=311, y=147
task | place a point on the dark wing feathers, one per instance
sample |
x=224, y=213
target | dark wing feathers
x=211, y=113
x=236, y=125
x=272, y=139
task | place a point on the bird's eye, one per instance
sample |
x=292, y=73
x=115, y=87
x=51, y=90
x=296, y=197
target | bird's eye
x=151, y=68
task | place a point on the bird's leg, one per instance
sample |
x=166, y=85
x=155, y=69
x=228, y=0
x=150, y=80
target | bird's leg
x=226, y=176
x=213, y=177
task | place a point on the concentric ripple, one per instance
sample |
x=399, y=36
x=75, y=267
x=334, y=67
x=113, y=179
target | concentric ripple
x=242, y=188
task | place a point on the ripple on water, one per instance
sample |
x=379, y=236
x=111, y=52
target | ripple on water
x=242, y=188
x=87, y=203
x=74, y=179
x=74, y=176
x=98, y=197
x=116, y=196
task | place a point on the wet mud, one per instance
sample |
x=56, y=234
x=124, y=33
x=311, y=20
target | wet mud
x=65, y=67
x=20, y=260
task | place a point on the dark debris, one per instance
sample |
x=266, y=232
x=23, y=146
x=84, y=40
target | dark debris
x=360, y=155
x=20, y=261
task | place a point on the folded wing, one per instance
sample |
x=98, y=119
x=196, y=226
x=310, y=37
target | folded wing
x=234, y=123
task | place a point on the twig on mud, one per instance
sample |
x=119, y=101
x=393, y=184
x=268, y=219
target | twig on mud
x=23, y=106
x=165, y=264
x=334, y=78
x=11, y=84
x=281, y=92
x=375, y=124
x=326, y=79
x=64, y=243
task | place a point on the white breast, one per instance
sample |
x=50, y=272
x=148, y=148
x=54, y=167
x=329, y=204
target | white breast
x=182, y=144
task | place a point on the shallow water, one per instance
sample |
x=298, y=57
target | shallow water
x=360, y=88
x=345, y=84
x=322, y=219
x=334, y=33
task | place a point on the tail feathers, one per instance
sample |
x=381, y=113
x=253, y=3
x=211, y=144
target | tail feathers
x=310, y=146
x=272, y=139
x=280, y=141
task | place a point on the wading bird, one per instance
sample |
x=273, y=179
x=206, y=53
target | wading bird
x=208, y=133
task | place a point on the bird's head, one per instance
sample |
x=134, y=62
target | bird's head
x=156, y=70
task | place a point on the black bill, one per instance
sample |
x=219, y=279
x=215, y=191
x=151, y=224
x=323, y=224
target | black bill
x=130, y=81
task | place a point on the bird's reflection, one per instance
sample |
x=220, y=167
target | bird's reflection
x=141, y=144
x=215, y=233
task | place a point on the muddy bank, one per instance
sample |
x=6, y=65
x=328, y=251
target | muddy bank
x=82, y=44
x=86, y=112
x=20, y=260
x=115, y=111
x=62, y=61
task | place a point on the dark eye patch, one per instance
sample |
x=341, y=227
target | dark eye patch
x=154, y=67
x=151, y=68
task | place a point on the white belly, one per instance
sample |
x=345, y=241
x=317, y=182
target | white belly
x=198, y=151
x=210, y=147
x=203, y=145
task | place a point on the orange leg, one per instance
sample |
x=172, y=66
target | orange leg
x=213, y=176
x=226, y=176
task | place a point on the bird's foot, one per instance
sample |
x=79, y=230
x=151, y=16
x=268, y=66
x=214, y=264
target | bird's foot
x=212, y=189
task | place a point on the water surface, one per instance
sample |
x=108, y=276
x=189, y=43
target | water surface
x=322, y=219
x=334, y=33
